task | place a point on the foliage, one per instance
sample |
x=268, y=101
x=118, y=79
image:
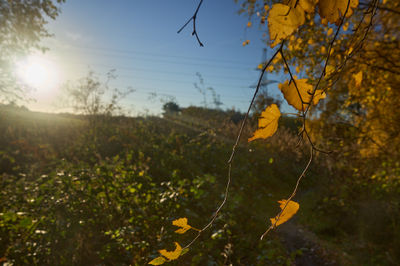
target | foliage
x=352, y=60
x=66, y=201
x=171, y=108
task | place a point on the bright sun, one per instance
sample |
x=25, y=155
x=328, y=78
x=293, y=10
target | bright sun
x=39, y=73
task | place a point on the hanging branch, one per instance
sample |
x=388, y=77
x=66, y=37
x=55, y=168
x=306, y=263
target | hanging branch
x=230, y=161
x=193, y=18
x=304, y=117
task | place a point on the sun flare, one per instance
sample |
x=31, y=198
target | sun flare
x=38, y=72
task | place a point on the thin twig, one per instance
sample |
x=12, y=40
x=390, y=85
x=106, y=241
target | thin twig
x=230, y=161
x=251, y=103
x=193, y=18
x=293, y=193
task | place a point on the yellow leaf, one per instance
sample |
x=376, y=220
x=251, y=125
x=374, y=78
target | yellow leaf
x=266, y=8
x=358, y=78
x=307, y=5
x=283, y=20
x=157, y=261
x=172, y=255
x=350, y=51
x=329, y=70
x=267, y=123
x=329, y=32
x=260, y=66
x=304, y=89
x=346, y=26
x=270, y=68
x=246, y=42
x=181, y=222
x=319, y=94
x=249, y=24
x=333, y=9
x=290, y=210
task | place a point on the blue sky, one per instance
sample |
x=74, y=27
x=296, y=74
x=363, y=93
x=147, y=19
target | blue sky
x=139, y=40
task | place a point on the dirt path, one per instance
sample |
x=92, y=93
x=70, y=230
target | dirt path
x=306, y=244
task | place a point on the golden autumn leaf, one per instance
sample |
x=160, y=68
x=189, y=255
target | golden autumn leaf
x=246, y=42
x=172, y=255
x=267, y=123
x=329, y=32
x=346, y=26
x=333, y=9
x=181, y=222
x=330, y=70
x=283, y=20
x=249, y=24
x=290, y=210
x=319, y=95
x=292, y=95
x=158, y=261
x=307, y=5
x=358, y=78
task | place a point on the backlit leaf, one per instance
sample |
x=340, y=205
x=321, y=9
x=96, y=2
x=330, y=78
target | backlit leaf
x=267, y=123
x=181, y=222
x=307, y=5
x=304, y=89
x=157, y=261
x=172, y=255
x=283, y=20
x=319, y=94
x=333, y=9
x=358, y=78
x=290, y=210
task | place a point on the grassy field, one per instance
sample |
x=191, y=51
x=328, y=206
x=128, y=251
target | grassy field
x=104, y=191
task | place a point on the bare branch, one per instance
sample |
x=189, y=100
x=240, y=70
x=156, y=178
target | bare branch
x=193, y=18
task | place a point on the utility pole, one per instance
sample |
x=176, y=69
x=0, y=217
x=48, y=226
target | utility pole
x=265, y=81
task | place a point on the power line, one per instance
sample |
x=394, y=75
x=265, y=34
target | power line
x=157, y=71
x=173, y=81
x=170, y=62
x=90, y=48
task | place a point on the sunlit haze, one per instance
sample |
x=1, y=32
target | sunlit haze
x=139, y=40
x=39, y=73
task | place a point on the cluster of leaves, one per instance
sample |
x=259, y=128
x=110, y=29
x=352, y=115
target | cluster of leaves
x=173, y=255
x=358, y=120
